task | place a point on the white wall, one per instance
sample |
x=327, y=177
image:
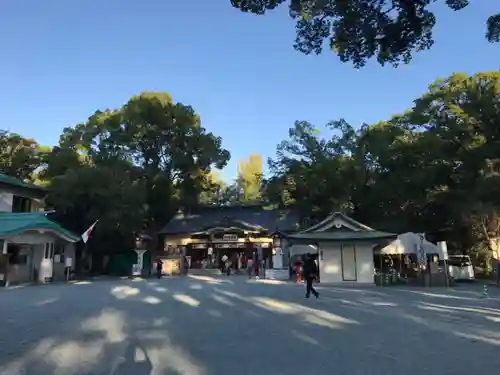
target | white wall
x=6, y=200
x=59, y=267
x=330, y=263
x=44, y=267
x=19, y=273
x=289, y=251
x=303, y=249
x=38, y=258
x=364, y=263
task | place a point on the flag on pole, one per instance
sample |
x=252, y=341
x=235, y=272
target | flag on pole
x=88, y=232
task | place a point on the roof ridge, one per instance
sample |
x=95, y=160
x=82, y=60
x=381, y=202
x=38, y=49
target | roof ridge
x=12, y=223
x=14, y=181
x=3, y=213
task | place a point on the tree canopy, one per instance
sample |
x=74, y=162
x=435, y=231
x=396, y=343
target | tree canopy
x=434, y=168
x=358, y=30
x=132, y=168
x=20, y=157
x=250, y=178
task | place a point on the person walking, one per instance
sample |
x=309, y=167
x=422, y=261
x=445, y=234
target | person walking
x=256, y=266
x=228, y=265
x=249, y=267
x=310, y=273
x=159, y=268
x=223, y=263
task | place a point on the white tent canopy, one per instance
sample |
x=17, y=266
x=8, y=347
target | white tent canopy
x=302, y=249
x=409, y=243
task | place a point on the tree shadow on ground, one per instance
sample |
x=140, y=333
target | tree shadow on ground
x=211, y=326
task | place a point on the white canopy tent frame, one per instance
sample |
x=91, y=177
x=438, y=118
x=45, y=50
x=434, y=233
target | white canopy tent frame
x=410, y=243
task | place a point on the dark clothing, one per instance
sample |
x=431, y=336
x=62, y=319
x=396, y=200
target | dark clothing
x=310, y=288
x=310, y=268
x=310, y=273
x=159, y=268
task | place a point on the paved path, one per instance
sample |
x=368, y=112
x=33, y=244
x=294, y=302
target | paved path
x=203, y=325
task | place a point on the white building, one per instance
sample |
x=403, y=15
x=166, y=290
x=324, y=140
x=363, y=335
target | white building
x=32, y=247
x=344, y=247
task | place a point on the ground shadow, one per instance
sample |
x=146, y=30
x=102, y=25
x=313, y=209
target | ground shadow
x=218, y=326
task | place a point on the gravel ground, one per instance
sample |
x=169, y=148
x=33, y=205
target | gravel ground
x=207, y=325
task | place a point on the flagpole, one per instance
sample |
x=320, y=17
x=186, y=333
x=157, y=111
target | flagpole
x=84, y=261
x=85, y=238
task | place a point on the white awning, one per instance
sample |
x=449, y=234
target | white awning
x=409, y=243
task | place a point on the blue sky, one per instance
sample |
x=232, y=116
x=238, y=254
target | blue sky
x=61, y=62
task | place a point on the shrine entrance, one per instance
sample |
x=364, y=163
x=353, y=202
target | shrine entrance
x=240, y=232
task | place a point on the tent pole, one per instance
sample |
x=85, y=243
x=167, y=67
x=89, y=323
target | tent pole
x=381, y=270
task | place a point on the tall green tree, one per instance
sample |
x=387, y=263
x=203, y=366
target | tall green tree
x=250, y=176
x=462, y=113
x=434, y=168
x=163, y=139
x=213, y=190
x=20, y=157
x=167, y=139
x=132, y=168
x=358, y=30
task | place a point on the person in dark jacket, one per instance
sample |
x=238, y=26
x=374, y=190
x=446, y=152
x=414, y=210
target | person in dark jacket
x=310, y=273
x=159, y=268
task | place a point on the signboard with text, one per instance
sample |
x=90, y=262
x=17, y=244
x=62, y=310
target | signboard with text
x=230, y=237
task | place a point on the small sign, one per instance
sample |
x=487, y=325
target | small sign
x=57, y=258
x=230, y=237
x=222, y=245
x=68, y=262
x=199, y=246
x=210, y=251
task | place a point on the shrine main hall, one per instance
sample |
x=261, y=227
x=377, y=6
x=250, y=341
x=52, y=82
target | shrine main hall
x=213, y=231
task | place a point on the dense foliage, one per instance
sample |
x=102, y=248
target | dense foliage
x=132, y=168
x=435, y=168
x=358, y=30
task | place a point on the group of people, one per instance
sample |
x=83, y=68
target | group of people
x=253, y=266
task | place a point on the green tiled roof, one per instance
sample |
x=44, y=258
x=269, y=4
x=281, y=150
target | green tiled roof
x=5, y=179
x=12, y=224
x=341, y=236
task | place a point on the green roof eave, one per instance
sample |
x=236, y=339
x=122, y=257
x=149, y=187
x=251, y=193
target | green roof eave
x=315, y=237
x=12, y=224
x=11, y=181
